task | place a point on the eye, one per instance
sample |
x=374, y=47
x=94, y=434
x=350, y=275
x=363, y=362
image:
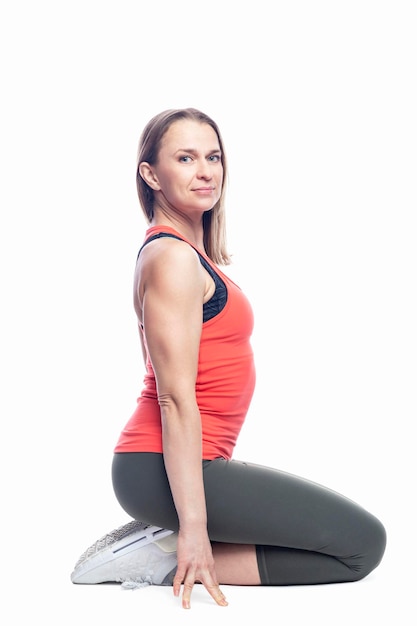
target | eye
x=185, y=159
x=214, y=158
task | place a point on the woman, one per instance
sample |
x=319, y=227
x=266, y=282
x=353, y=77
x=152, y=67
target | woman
x=198, y=515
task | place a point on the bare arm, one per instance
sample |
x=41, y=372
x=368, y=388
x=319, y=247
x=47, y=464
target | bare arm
x=171, y=289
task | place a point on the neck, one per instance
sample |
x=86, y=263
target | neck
x=190, y=230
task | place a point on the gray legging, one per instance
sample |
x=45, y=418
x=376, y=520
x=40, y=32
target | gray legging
x=304, y=533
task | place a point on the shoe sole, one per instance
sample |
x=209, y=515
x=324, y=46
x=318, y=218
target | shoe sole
x=116, y=544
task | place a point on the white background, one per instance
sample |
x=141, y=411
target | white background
x=317, y=105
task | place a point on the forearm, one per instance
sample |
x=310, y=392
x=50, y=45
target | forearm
x=181, y=428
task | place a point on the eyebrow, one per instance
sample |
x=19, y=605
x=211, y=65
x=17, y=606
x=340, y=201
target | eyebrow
x=194, y=151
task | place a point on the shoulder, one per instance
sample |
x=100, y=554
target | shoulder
x=169, y=254
x=168, y=266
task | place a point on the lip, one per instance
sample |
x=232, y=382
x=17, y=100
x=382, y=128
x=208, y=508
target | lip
x=204, y=189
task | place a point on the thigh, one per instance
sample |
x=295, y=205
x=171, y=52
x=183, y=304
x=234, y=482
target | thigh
x=249, y=503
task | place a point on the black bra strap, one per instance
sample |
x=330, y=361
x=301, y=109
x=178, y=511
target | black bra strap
x=219, y=299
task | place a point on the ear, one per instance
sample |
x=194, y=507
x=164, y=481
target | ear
x=146, y=172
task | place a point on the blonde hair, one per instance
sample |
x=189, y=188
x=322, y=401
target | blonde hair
x=214, y=222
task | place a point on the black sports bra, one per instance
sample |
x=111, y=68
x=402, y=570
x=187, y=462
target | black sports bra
x=217, y=302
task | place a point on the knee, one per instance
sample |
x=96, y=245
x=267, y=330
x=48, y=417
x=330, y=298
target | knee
x=374, y=544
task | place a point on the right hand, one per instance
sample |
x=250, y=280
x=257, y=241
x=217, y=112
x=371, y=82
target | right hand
x=196, y=564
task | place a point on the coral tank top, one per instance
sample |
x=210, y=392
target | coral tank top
x=225, y=378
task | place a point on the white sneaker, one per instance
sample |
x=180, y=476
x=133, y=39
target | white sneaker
x=135, y=553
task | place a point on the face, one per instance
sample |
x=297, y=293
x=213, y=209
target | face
x=189, y=172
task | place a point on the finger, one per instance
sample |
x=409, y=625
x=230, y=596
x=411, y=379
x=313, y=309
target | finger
x=186, y=595
x=176, y=583
x=217, y=595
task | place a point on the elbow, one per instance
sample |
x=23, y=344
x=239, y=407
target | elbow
x=168, y=402
x=179, y=411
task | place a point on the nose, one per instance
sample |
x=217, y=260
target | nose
x=204, y=170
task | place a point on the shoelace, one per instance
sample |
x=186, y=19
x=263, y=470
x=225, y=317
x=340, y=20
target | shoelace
x=110, y=538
